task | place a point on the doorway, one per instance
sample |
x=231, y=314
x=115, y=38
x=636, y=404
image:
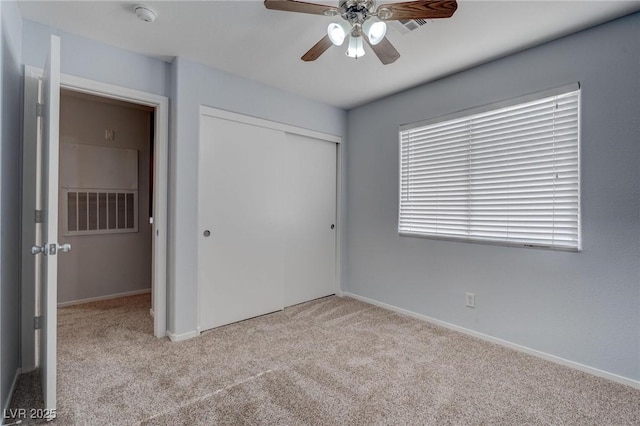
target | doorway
x=105, y=198
x=158, y=203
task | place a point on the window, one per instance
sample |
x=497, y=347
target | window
x=506, y=173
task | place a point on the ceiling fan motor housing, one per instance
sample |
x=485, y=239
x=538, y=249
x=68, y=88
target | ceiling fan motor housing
x=356, y=11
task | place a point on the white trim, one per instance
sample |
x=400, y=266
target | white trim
x=12, y=389
x=92, y=87
x=161, y=176
x=539, y=354
x=340, y=149
x=105, y=297
x=260, y=122
x=184, y=336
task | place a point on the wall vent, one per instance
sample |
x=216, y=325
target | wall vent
x=405, y=26
x=100, y=211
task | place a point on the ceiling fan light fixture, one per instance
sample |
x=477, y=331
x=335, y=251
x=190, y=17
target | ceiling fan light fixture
x=374, y=30
x=356, y=47
x=364, y=21
x=337, y=33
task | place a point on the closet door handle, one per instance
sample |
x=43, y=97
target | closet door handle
x=206, y=233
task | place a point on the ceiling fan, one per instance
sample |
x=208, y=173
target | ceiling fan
x=363, y=20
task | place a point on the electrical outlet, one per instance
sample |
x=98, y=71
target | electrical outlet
x=470, y=300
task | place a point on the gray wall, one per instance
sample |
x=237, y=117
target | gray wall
x=188, y=84
x=90, y=59
x=583, y=307
x=192, y=85
x=10, y=175
x=107, y=264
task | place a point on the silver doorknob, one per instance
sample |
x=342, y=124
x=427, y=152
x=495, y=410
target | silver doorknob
x=51, y=249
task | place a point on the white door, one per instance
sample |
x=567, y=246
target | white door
x=48, y=247
x=310, y=218
x=240, y=221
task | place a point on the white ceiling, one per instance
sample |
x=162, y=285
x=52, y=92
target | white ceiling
x=244, y=38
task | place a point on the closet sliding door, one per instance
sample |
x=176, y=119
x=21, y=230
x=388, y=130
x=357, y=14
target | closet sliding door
x=266, y=219
x=240, y=213
x=310, y=196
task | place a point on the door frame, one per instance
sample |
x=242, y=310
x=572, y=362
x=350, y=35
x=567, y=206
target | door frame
x=288, y=128
x=160, y=257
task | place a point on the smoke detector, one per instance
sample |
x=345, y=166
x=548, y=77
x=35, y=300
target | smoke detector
x=145, y=13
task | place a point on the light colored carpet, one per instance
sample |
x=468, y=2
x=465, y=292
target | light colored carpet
x=330, y=361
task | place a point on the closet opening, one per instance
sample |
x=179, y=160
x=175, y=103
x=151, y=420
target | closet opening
x=105, y=199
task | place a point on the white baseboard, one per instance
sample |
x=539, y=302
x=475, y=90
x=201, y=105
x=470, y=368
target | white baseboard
x=184, y=336
x=106, y=297
x=12, y=389
x=571, y=364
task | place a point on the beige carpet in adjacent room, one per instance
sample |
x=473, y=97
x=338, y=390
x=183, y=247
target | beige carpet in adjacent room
x=333, y=361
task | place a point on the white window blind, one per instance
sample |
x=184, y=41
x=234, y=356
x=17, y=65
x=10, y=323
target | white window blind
x=502, y=174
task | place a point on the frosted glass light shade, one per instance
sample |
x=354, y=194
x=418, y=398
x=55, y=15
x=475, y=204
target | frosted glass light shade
x=356, y=48
x=374, y=30
x=337, y=33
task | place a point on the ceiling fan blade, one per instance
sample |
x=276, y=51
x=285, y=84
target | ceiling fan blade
x=300, y=6
x=318, y=49
x=384, y=51
x=426, y=9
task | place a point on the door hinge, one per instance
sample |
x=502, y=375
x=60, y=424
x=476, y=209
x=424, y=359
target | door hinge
x=38, y=216
x=39, y=110
x=37, y=323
